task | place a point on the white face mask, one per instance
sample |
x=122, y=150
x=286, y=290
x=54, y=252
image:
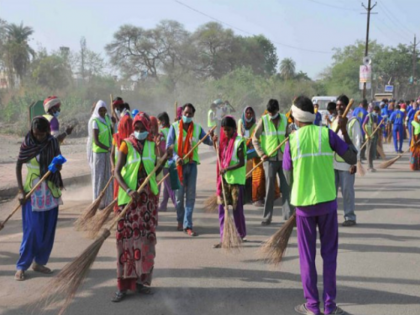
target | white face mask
x=418, y=117
x=275, y=116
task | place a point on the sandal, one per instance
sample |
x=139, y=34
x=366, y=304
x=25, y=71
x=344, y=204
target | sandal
x=20, y=275
x=142, y=289
x=118, y=297
x=218, y=245
x=42, y=269
x=302, y=309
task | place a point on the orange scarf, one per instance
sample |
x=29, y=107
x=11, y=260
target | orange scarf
x=184, y=149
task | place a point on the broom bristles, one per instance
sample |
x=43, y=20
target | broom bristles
x=65, y=284
x=274, y=249
x=210, y=204
x=231, y=240
x=81, y=222
x=100, y=219
x=360, y=169
x=388, y=163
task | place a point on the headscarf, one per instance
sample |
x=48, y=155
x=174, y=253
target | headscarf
x=226, y=148
x=244, y=117
x=125, y=129
x=95, y=115
x=145, y=120
x=117, y=102
x=47, y=149
x=50, y=102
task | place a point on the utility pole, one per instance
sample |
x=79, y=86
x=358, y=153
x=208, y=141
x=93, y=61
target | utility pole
x=368, y=9
x=413, y=76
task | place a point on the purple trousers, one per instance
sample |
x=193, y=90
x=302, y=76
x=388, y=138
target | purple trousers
x=328, y=231
x=238, y=216
x=167, y=192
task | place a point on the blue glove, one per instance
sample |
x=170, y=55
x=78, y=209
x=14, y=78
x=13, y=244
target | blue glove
x=58, y=160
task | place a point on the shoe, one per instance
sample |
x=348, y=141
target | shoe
x=265, y=223
x=180, y=227
x=118, y=296
x=42, y=269
x=244, y=240
x=20, y=275
x=258, y=203
x=142, y=289
x=162, y=209
x=349, y=223
x=190, y=232
x=401, y=151
x=301, y=309
x=218, y=245
x=371, y=170
x=337, y=311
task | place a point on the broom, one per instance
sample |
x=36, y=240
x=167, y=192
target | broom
x=360, y=169
x=274, y=249
x=66, y=283
x=176, y=110
x=28, y=195
x=52, y=168
x=230, y=240
x=90, y=211
x=388, y=163
x=96, y=223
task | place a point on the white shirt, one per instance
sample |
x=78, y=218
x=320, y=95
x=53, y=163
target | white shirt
x=356, y=138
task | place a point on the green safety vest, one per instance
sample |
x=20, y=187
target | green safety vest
x=105, y=135
x=194, y=140
x=33, y=173
x=237, y=176
x=210, y=122
x=272, y=137
x=370, y=125
x=313, y=170
x=130, y=170
x=416, y=128
x=165, y=132
x=350, y=126
x=242, y=124
x=48, y=117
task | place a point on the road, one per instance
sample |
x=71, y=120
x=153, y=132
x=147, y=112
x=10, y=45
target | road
x=378, y=264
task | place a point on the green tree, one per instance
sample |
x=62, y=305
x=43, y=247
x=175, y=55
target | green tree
x=17, y=50
x=287, y=68
x=50, y=71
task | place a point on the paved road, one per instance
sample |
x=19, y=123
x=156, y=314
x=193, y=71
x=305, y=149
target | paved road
x=378, y=267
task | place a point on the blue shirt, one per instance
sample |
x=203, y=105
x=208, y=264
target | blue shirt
x=360, y=113
x=397, y=118
x=171, y=140
x=318, y=119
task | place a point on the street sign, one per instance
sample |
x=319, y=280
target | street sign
x=365, y=76
x=389, y=88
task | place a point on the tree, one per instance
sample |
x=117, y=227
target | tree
x=3, y=37
x=50, y=71
x=287, y=68
x=17, y=50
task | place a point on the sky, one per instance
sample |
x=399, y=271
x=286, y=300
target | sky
x=304, y=30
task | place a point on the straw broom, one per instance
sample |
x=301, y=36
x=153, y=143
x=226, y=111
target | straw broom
x=230, y=240
x=360, y=169
x=66, y=283
x=28, y=195
x=90, y=211
x=210, y=204
x=388, y=163
x=274, y=249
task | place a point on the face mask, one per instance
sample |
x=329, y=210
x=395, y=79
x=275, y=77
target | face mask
x=141, y=135
x=186, y=119
x=296, y=127
x=275, y=116
x=117, y=111
x=56, y=114
x=248, y=120
x=418, y=117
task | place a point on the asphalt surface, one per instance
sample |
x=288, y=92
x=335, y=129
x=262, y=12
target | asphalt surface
x=378, y=261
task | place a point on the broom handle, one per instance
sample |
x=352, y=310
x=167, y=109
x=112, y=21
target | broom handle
x=223, y=185
x=189, y=152
x=346, y=111
x=27, y=196
x=271, y=153
x=106, y=187
x=145, y=182
x=176, y=109
x=376, y=129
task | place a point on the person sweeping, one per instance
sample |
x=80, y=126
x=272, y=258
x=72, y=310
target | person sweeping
x=40, y=212
x=308, y=165
x=232, y=171
x=136, y=231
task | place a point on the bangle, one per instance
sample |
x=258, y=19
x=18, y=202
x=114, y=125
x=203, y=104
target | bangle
x=128, y=191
